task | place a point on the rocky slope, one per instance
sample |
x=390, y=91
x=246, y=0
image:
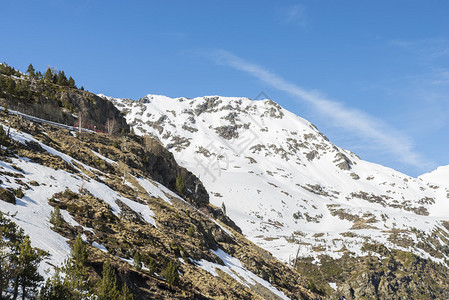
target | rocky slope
x=291, y=190
x=62, y=104
x=119, y=194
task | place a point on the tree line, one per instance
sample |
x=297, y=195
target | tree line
x=51, y=75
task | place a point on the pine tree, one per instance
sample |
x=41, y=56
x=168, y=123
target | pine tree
x=62, y=79
x=76, y=280
x=11, y=237
x=54, y=289
x=79, y=253
x=56, y=218
x=180, y=187
x=48, y=75
x=137, y=261
x=107, y=289
x=171, y=274
x=27, y=276
x=151, y=265
x=31, y=71
x=72, y=82
x=125, y=294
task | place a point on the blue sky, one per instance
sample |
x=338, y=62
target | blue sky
x=372, y=75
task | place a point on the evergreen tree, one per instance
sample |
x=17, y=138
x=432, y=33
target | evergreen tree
x=31, y=71
x=62, y=79
x=125, y=294
x=27, y=275
x=79, y=253
x=11, y=237
x=76, y=280
x=54, y=289
x=151, y=265
x=171, y=274
x=137, y=261
x=48, y=75
x=107, y=289
x=10, y=85
x=56, y=218
x=71, y=82
x=180, y=187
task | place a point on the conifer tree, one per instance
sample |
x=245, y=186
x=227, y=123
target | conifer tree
x=62, y=79
x=180, y=187
x=72, y=82
x=75, y=284
x=31, y=71
x=54, y=289
x=56, y=218
x=125, y=294
x=11, y=236
x=171, y=274
x=79, y=253
x=107, y=289
x=137, y=261
x=27, y=275
x=48, y=75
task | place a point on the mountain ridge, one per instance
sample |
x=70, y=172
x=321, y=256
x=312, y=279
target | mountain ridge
x=286, y=185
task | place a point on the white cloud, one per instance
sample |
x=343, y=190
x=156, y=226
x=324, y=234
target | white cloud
x=353, y=121
x=295, y=14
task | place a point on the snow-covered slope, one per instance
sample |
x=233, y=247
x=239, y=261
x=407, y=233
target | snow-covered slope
x=285, y=184
x=439, y=176
x=95, y=194
x=33, y=210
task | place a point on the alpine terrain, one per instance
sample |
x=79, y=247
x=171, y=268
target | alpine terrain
x=205, y=198
x=361, y=228
x=93, y=211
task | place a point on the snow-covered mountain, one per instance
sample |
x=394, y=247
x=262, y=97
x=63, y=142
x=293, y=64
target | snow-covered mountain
x=286, y=185
x=439, y=176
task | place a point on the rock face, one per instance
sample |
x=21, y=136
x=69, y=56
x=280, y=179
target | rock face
x=63, y=104
x=291, y=190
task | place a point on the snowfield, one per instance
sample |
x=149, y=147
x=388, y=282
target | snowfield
x=288, y=188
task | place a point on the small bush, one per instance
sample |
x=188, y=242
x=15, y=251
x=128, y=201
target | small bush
x=191, y=231
x=19, y=193
x=7, y=196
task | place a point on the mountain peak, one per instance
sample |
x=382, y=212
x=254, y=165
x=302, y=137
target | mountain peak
x=282, y=181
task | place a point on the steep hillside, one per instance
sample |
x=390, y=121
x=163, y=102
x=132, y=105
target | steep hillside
x=52, y=98
x=120, y=194
x=291, y=190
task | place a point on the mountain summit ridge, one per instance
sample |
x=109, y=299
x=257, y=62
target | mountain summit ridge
x=284, y=183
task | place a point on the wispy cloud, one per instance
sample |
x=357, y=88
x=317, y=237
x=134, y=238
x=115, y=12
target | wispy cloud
x=428, y=49
x=295, y=14
x=353, y=121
